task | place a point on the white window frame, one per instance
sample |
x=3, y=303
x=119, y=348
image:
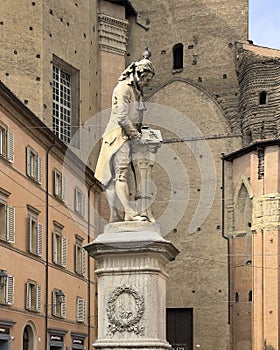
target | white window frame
x=6, y=143
x=79, y=202
x=7, y=291
x=59, y=185
x=80, y=259
x=59, y=247
x=35, y=235
x=62, y=104
x=58, y=309
x=33, y=165
x=80, y=310
x=33, y=296
x=7, y=213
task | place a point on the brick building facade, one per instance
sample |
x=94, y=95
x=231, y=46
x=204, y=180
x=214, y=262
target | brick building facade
x=47, y=285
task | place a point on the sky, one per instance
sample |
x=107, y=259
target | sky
x=264, y=23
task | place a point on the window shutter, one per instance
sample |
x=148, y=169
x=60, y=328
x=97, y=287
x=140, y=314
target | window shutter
x=54, y=248
x=10, y=217
x=76, y=200
x=39, y=298
x=10, y=290
x=80, y=310
x=83, y=209
x=39, y=239
x=55, y=183
x=10, y=146
x=54, y=303
x=63, y=188
x=76, y=258
x=63, y=251
x=2, y=135
x=28, y=297
x=29, y=227
x=28, y=165
x=39, y=170
x=83, y=261
x=63, y=307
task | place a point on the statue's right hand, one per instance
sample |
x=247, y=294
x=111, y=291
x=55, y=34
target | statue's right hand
x=140, y=141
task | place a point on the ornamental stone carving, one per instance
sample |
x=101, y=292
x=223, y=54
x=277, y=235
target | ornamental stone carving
x=266, y=213
x=124, y=315
x=112, y=34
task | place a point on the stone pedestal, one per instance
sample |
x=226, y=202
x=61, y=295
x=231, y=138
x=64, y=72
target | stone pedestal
x=131, y=274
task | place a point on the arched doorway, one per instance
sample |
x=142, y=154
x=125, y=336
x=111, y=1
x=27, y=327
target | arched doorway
x=25, y=339
x=28, y=338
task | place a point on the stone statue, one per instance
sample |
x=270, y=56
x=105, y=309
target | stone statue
x=123, y=139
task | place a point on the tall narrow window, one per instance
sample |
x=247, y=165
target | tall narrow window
x=6, y=288
x=58, y=303
x=59, y=246
x=33, y=165
x=66, y=101
x=79, y=202
x=80, y=256
x=6, y=143
x=236, y=297
x=35, y=232
x=250, y=296
x=7, y=223
x=61, y=104
x=33, y=296
x=178, y=56
x=263, y=98
x=59, y=185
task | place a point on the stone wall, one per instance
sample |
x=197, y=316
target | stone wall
x=259, y=72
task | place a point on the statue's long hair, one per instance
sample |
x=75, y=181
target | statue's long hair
x=141, y=67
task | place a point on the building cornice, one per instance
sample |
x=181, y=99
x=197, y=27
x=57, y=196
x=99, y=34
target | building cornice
x=112, y=34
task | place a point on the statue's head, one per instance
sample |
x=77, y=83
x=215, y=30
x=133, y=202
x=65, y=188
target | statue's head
x=143, y=70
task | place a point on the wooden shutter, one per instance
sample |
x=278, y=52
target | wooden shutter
x=76, y=200
x=63, y=251
x=28, y=164
x=39, y=170
x=10, y=146
x=83, y=261
x=55, y=183
x=83, y=205
x=54, y=246
x=63, y=188
x=10, y=217
x=38, y=298
x=40, y=239
x=54, y=303
x=29, y=227
x=63, y=307
x=80, y=310
x=28, y=296
x=10, y=290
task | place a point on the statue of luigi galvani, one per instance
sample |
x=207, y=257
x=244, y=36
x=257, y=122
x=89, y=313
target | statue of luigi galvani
x=121, y=139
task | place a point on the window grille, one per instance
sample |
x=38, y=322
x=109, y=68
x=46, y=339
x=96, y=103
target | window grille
x=61, y=104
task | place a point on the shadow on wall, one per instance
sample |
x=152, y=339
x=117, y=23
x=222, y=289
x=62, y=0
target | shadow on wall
x=268, y=347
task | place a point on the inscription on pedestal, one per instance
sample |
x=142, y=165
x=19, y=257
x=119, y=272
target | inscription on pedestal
x=125, y=308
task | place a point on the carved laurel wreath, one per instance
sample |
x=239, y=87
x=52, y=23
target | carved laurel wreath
x=125, y=320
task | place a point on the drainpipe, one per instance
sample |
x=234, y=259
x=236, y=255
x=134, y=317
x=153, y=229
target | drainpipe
x=47, y=246
x=223, y=233
x=88, y=268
